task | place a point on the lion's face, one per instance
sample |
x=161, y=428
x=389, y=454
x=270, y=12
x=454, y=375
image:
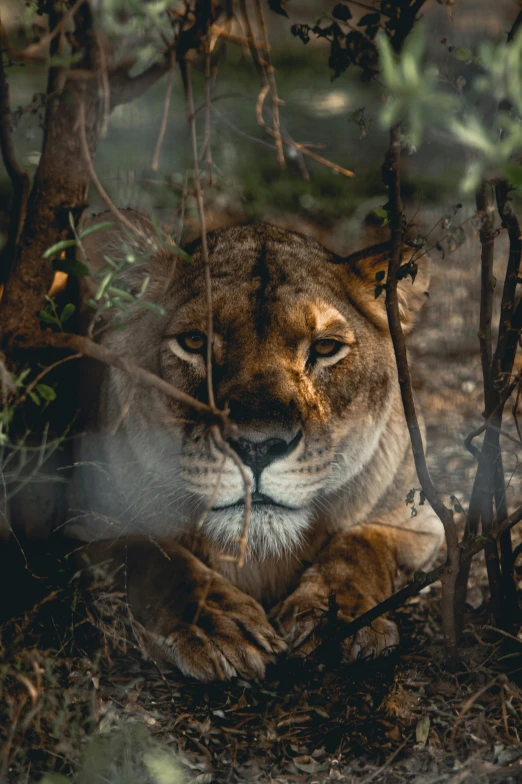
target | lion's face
x=306, y=377
x=302, y=361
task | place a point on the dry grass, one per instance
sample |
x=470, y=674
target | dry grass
x=73, y=670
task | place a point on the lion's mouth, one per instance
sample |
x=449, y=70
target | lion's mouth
x=258, y=499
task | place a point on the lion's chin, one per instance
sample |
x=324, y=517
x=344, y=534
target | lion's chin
x=274, y=530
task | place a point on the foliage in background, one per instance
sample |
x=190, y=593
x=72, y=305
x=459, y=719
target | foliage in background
x=420, y=99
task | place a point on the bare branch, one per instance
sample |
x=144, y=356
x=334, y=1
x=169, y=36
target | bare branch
x=227, y=450
x=302, y=148
x=85, y=346
x=163, y=126
x=125, y=88
x=270, y=76
x=219, y=441
x=120, y=217
x=33, y=52
x=29, y=388
x=392, y=178
x=187, y=83
x=487, y=284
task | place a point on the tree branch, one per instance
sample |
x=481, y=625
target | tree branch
x=125, y=88
x=87, y=347
x=59, y=187
x=391, y=175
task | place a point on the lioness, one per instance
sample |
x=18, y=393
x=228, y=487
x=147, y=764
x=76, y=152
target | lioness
x=302, y=359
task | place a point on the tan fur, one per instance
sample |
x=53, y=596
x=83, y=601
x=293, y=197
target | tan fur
x=333, y=519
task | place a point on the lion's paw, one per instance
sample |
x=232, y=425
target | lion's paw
x=376, y=640
x=223, y=635
x=302, y=621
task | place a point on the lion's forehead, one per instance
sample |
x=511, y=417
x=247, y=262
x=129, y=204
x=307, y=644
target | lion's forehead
x=260, y=255
x=264, y=282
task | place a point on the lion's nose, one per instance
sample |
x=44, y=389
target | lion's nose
x=257, y=455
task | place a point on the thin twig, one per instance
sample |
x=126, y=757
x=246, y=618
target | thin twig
x=469, y=704
x=87, y=347
x=219, y=441
x=481, y=502
x=187, y=83
x=31, y=51
x=212, y=499
x=502, y=364
x=296, y=145
x=225, y=448
x=208, y=107
x=386, y=765
x=240, y=132
x=270, y=73
x=29, y=388
x=97, y=184
x=487, y=285
x=164, y=118
x=503, y=400
x=392, y=179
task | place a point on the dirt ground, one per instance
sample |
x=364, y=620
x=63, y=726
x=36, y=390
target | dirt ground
x=72, y=670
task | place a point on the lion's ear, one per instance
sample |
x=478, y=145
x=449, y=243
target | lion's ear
x=139, y=253
x=368, y=270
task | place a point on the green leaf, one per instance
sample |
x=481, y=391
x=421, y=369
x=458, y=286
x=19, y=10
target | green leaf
x=464, y=54
x=22, y=376
x=95, y=228
x=388, y=61
x=381, y=212
x=46, y=392
x=34, y=397
x=114, y=291
x=54, y=250
x=415, y=43
x=68, y=311
x=151, y=306
x=71, y=267
x=102, y=288
x=48, y=317
x=180, y=252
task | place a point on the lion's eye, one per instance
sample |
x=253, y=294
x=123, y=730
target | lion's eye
x=326, y=348
x=193, y=342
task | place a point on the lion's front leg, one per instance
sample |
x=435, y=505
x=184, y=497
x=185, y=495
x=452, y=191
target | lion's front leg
x=357, y=569
x=194, y=618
